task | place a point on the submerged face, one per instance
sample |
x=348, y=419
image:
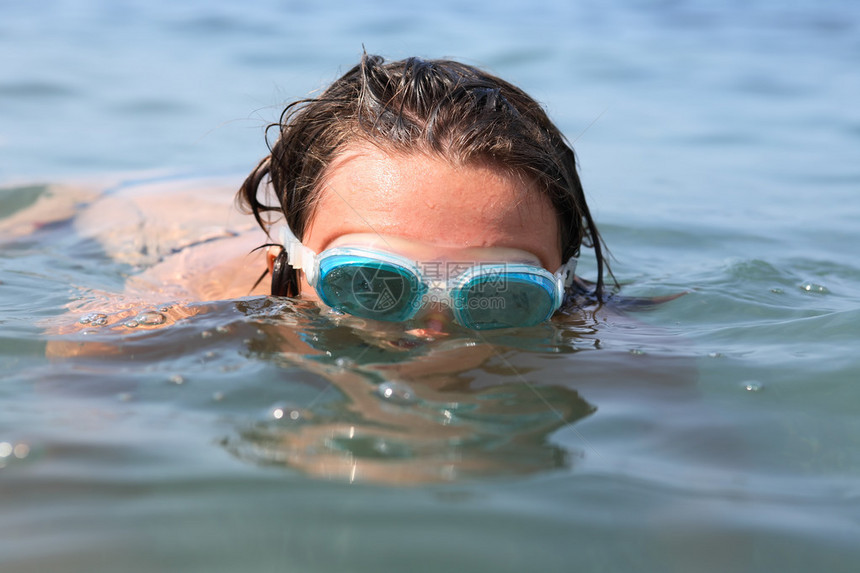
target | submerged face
x=427, y=209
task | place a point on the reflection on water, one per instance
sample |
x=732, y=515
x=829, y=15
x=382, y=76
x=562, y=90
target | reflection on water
x=403, y=410
x=385, y=405
x=446, y=437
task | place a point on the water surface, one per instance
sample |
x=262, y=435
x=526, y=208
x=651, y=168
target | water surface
x=718, y=146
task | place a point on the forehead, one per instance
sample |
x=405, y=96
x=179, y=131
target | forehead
x=428, y=199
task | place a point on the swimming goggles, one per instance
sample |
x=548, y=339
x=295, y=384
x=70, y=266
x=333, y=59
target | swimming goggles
x=369, y=283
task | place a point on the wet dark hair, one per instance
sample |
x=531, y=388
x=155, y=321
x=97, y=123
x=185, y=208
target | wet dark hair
x=439, y=107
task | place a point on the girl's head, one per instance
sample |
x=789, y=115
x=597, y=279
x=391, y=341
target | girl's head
x=386, y=136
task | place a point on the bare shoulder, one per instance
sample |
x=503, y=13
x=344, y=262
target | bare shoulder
x=177, y=241
x=143, y=222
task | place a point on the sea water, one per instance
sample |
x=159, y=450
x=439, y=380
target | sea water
x=719, y=148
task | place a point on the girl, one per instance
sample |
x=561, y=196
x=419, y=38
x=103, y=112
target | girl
x=427, y=190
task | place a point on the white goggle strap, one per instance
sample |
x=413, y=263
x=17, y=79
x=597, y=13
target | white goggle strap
x=566, y=272
x=298, y=255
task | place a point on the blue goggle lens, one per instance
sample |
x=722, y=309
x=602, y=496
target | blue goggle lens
x=369, y=289
x=503, y=301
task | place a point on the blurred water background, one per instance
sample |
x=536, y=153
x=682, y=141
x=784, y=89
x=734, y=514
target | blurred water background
x=718, y=144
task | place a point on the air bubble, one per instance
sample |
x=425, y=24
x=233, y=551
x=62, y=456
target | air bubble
x=130, y=323
x=19, y=450
x=753, y=386
x=284, y=412
x=814, y=287
x=94, y=318
x=344, y=362
x=150, y=318
x=396, y=392
x=177, y=379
